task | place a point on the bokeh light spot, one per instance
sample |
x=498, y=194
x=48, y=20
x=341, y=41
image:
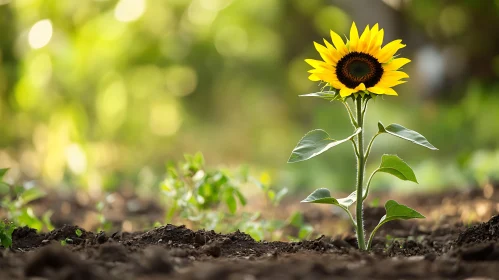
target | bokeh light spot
x=165, y=118
x=332, y=18
x=231, y=41
x=129, y=10
x=181, y=80
x=40, y=34
x=76, y=159
x=453, y=20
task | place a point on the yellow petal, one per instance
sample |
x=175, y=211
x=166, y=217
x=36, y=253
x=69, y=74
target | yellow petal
x=389, y=83
x=338, y=43
x=335, y=55
x=390, y=91
x=376, y=42
x=377, y=90
x=374, y=33
x=364, y=40
x=354, y=38
x=344, y=92
x=360, y=87
x=314, y=78
x=389, y=50
x=396, y=64
x=324, y=53
x=316, y=63
x=337, y=84
x=374, y=30
x=325, y=76
x=395, y=75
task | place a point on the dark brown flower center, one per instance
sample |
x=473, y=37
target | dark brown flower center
x=356, y=68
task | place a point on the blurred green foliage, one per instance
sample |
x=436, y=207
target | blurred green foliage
x=209, y=199
x=14, y=202
x=94, y=92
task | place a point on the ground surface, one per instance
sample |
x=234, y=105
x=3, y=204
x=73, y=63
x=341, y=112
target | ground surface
x=442, y=247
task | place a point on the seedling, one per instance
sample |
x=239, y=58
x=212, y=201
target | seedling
x=358, y=71
x=66, y=241
x=16, y=199
x=6, y=230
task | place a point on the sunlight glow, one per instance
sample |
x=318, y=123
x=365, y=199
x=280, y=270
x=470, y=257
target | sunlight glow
x=40, y=34
x=76, y=159
x=165, y=119
x=129, y=10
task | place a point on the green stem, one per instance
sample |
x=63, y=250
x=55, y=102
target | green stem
x=350, y=114
x=371, y=236
x=364, y=196
x=351, y=217
x=355, y=147
x=368, y=150
x=360, y=175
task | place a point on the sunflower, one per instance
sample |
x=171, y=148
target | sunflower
x=360, y=64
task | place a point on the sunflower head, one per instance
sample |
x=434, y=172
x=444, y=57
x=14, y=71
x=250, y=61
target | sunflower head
x=361, y=65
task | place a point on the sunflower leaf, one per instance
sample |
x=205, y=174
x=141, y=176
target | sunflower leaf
x=323, y=196
x=327, y=95
x=396, y=211
x=406, y=134
x=394, y=165
x=315, y=143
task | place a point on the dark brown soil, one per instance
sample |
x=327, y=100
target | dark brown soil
x=437, y=249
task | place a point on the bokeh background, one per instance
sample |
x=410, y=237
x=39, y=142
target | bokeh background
x=101, y=94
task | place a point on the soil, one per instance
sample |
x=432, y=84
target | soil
x=440, y=247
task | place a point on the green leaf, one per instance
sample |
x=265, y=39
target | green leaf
x=2, y=172
x=279, y=195
x=31, y=194
x=6, y=239
x=315, y=143
x=241, y=197
x=323, y=196
x=396, y=211
x=394, y=165
x=231, y=202
x=406, y=134
x=327, y=95
x=4, y=188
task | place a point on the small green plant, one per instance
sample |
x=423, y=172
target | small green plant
x=6, y=230
x=360, y=70
x=191, y=191
x=15, y=201
x=272, y=196
x=66, y=241
x=208, y=197
x=104, y=224
x=78, y=232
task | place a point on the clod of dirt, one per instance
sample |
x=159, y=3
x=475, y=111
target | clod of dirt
x=480, y=252
x=213, y=250
x=69, y=232
x=25, y=237
x=113, y=253
x=480, y=233
x=200, y=238
x=156, y=260
x=168, y=233
x=57, y=263
x=340, y=243
x=101, y=237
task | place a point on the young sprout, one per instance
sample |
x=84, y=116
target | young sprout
x=359, y=70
